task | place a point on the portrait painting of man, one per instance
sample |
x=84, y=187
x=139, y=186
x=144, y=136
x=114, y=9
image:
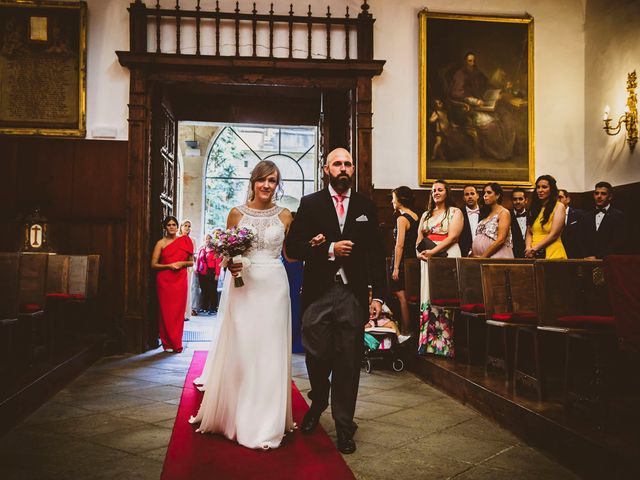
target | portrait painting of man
x=476, y=98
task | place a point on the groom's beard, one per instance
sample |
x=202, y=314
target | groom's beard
x=341, y=183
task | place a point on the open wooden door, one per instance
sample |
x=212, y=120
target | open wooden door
x=164, y=196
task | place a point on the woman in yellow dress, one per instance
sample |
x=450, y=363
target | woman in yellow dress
x=545, y=222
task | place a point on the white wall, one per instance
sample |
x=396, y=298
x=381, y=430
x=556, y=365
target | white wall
x=559, y=76
x=613, y=49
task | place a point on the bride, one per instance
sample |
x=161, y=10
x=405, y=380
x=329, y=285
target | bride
x=247, y=375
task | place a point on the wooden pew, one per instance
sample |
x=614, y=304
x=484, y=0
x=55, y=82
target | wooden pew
x=573, y=301
x=443, y=282
x=9, y=331
x=509, y=292
x=412, y=280
x=470, y=323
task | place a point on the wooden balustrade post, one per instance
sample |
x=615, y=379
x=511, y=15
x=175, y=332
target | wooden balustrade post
x=138, y=27
x=365, y=33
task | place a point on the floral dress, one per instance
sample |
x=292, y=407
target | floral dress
x=436, y=323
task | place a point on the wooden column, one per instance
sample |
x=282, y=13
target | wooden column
x=363, y=136
x=136, y=267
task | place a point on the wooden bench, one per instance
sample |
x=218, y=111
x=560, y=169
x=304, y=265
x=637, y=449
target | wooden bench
x=509, y=292
x=573, y=301
x=412, y=280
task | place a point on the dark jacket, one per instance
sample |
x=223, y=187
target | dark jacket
x=517, y=238
x=570, y=234
x=609, y=238
x=317, y=214
x=466, y=238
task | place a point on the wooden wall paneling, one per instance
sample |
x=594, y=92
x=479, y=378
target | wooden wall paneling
x=364, y=128
x=99, y=189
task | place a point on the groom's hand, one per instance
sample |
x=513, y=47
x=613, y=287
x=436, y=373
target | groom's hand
x=343, y=248
x=374, y=309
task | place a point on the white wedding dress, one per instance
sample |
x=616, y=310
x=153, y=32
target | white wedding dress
x=247, y=375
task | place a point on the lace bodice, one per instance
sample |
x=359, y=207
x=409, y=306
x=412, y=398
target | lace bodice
x=489, y=228
x=269, y=228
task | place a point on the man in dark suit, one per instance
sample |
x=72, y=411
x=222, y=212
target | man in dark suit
x=345, y=253
x=602, y=230
x=518, y=221
x=471, y=216
x=570, y=238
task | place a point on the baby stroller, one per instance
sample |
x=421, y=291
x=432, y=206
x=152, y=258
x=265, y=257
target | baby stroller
x=381, y=342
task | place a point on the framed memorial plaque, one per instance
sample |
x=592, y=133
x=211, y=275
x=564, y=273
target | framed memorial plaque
x=43, y=68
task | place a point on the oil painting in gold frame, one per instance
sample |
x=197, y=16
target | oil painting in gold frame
x=476, y=99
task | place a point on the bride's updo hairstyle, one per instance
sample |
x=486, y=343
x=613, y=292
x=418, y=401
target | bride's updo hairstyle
x=262, y=170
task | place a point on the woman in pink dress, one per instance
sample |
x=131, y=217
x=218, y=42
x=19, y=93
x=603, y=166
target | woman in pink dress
x=493, y=235
x=172, y=255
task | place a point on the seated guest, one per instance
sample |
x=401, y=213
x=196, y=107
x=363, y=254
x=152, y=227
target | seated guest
x=602, y=230
x=570, y=233
x=470, y=214
x=545, y=222
x=493, y=236
x=405, y=234
x=518, y=221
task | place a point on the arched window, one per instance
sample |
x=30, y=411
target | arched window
x=238, y=148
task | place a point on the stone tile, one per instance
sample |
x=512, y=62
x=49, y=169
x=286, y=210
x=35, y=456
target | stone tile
x=157, y=454
x=394, y=465
x=159, y=393
x=89, y=425
x=430, y=416
x=479, y=472
x=363, y=450
x=377, y=380
x=53, y=411
x=384, y=434
x=149, y=413
x=523, y=458
x=302, y=383
x=132, y=467
x=481, y=428
x=397, y=398
x=457, y=447
x=108, y=403
x=369, y=410
x=166, y=423
x=135, y=440
x=65, y=458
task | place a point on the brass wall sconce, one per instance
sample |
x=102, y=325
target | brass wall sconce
x=630, y=116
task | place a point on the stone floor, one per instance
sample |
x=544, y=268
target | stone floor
x=115, y=421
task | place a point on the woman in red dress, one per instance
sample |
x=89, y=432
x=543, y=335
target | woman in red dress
x=172, y=255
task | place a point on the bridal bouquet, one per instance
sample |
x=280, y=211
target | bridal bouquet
x=230, y=244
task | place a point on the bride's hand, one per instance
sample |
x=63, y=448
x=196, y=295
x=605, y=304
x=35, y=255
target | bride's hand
x=317, y=240
x=234, y=268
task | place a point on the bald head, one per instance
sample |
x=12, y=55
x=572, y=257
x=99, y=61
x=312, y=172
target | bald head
x=340, y=168
x=338, y=153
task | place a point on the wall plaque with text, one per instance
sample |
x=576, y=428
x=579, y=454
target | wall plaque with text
x=43, y=68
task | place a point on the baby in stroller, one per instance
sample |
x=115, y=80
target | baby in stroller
x=381, y=341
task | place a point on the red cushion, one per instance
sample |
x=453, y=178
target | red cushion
x=30, y=308
x=472, y=307
x=586, y=320
x=515, y=317
x=412, y=298
x=445, y=302
x=77, y=296
x=58, y=296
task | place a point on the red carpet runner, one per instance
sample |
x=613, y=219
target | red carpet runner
x=196, y=456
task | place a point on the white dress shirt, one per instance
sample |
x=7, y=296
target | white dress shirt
x=473, y=221
x=600, y=216
x=522, y=223
x=341, y=221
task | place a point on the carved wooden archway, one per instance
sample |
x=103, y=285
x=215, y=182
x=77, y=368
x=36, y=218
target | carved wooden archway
x=344, y=86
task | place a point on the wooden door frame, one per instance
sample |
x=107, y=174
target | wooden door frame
x=148, y=73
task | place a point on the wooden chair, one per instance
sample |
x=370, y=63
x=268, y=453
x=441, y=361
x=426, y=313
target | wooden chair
x=443, y=282
x=470, y=323
x=573, y=301
x=509, y=292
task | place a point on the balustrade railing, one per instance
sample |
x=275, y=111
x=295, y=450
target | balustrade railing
x=210, y=29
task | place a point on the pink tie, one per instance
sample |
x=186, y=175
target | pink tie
x=339, y=205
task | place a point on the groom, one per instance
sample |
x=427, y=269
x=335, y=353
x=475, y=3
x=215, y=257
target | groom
x=346, y=252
